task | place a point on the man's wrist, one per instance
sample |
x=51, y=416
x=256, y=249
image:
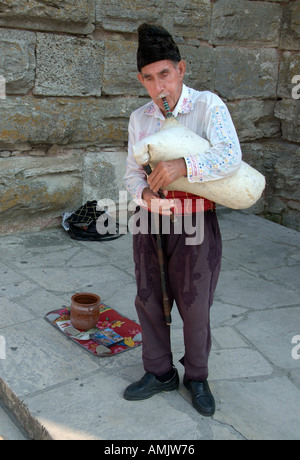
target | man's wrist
x=183, y=167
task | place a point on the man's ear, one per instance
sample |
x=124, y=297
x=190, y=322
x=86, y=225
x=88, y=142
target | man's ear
x=140, y=78
x=181, y=66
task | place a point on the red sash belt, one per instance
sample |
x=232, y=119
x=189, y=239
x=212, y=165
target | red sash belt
x=187, y=203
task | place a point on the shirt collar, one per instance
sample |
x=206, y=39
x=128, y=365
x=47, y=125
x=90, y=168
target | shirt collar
x=184, y=105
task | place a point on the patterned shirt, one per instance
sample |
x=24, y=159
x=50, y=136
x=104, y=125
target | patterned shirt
x=203, y=113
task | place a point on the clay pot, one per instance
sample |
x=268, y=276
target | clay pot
x=85, y=310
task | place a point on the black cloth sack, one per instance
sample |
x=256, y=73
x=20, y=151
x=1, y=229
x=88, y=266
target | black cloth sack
x=83, y=224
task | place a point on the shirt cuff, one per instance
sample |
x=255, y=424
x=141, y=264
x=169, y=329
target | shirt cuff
x=194, y=169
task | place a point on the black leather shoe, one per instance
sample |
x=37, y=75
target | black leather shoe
x=148, y=386
x=202, y=398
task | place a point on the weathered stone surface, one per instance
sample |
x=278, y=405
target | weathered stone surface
x=74, y=16
x=190, y=20
x=280, y=163
x=60, y=92
x=200, y=70
x=290, y=36
x=103, y=173
x=35, y=190
x=251, y=400
x=236, y=363
x=269, y=326
x=245, y=73
x=289, y=68
x=17, y=64
x=180, y=19
x=288, y=110
x=120, y=72
x=126, y=15
x=254, y=119
x=64, y=121
x=244, y=22
x=68, y=66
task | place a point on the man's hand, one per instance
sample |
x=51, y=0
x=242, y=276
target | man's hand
x=157, y=204
x=165, y=173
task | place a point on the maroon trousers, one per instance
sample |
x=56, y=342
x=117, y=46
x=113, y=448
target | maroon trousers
x=192, y=273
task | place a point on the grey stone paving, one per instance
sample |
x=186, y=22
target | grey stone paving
x=59, y=391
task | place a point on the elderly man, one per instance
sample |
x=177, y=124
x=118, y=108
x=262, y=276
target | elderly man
x=192, y=271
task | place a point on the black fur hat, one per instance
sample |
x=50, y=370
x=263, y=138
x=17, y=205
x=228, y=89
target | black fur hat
x=155, y=44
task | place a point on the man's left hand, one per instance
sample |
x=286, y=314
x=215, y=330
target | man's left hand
x=165, y=173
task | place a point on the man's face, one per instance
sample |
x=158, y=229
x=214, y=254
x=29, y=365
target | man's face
x=163, y=78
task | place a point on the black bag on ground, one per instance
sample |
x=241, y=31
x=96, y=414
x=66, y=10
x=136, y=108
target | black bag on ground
x=90, y=224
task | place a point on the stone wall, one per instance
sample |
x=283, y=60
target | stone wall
x=70, y=84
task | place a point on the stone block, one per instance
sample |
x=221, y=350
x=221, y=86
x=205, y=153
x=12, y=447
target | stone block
x=289, y=69
x=9, y=429
x=254, y=119
x=124, y=15
x=279, y=161
x=261, y=294
x=261, y=409
x=278, y=327
x=246, y=73
x=283, y=160
x=245, y=23
x=182, y=20
x=199, y=72
x=237, y=363
x=80, y=122
x=55, y=366
x=17, y=64
x=35, y=190
x=291, y=217
x=120, y=71
x=253, y=154
x=68, y=66
x=73, y=16
x=290, y=33
x=190, y=20
x=288, y=111
x=227, y=337
x=103, y=173
x=165, y=419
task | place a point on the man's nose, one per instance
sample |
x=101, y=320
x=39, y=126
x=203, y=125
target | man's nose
x=159, y=86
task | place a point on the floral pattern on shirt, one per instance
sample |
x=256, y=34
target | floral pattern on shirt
x=150, y=110
x=142, y=135
x=186, y=105
x=197, y=168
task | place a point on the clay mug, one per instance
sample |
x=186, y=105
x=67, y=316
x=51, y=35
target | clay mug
x=85, y=310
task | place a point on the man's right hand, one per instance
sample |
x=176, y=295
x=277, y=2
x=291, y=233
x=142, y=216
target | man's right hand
x=156, y=204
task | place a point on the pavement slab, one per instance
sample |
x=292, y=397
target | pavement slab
x=59, y=391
